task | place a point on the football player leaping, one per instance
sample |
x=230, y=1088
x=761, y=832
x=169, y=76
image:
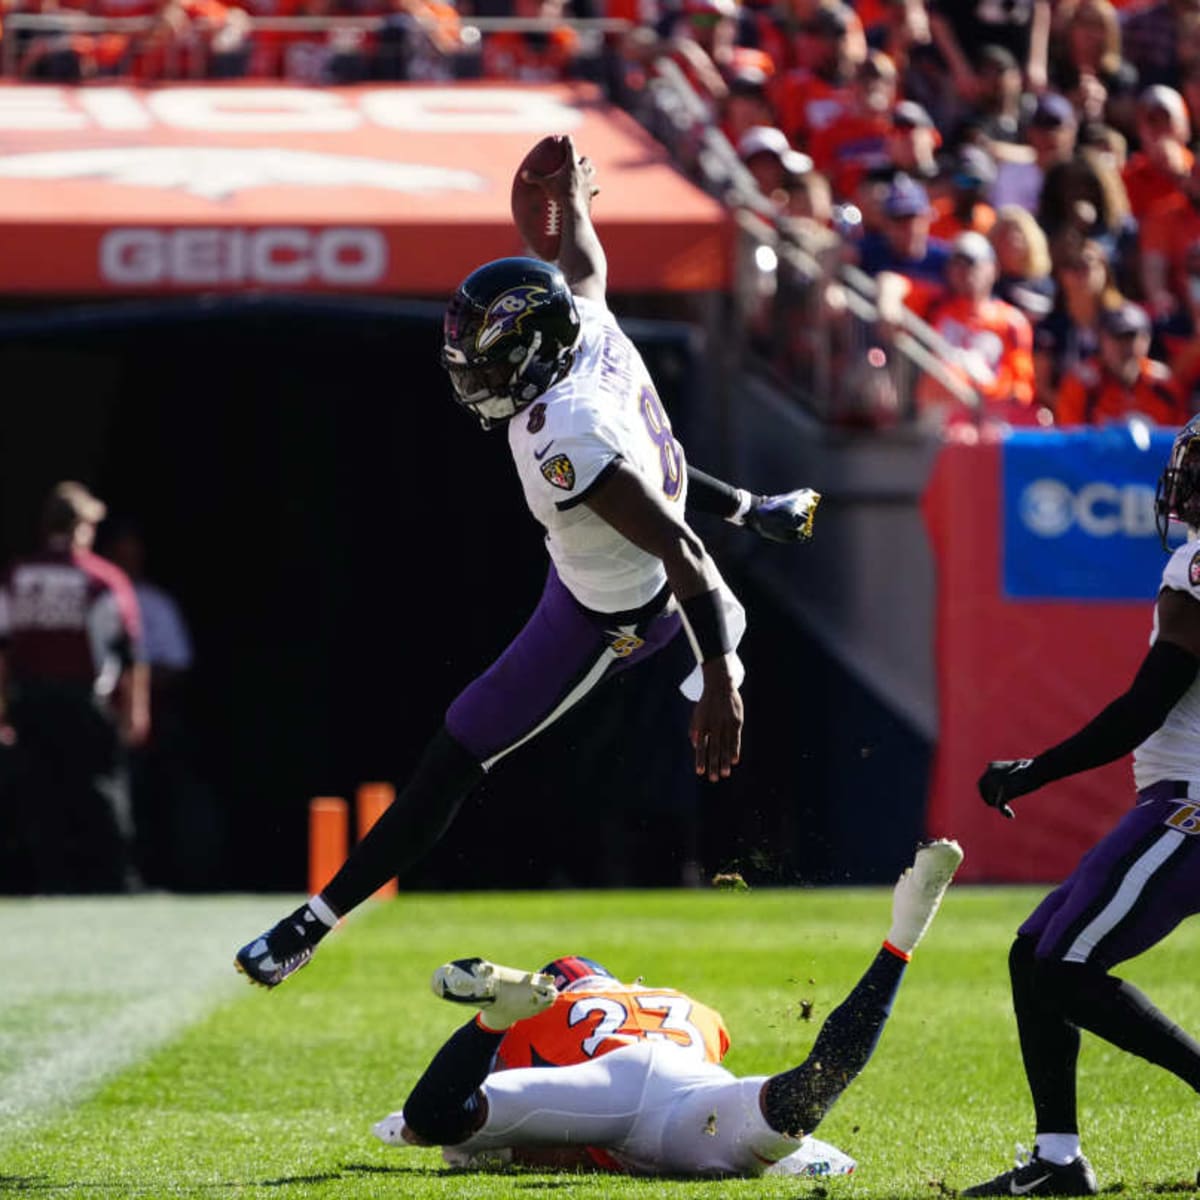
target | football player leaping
x=534, y=348
x=639, y=1085
x=1133, y=887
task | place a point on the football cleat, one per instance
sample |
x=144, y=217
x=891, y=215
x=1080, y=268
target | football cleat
x=1033, y=1176
x=503, y=995
x=919, y=892
x=282, y=950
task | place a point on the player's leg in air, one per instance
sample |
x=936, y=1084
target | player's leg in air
x=1126, y=895
x=653, y=1104
x=795, y=1102
x=561, y=655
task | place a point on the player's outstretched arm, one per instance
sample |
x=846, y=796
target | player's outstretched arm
x=627, y=503
x=787, y=517
x=1167, y=671
x=581, y=257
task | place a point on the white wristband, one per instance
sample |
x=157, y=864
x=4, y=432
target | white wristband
x=745, y=499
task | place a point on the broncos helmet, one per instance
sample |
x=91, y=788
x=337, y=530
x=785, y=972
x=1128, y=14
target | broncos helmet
x=510, y=333
x=574, y=969
x=1178, y=496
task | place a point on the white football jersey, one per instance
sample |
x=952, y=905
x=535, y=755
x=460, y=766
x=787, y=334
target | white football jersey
x=603, y=413
x=1173, y=750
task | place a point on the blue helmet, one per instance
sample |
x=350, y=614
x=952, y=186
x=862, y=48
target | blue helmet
x=574, y=969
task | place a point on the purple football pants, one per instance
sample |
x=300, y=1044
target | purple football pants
x=564, y=653
x=1130, y=889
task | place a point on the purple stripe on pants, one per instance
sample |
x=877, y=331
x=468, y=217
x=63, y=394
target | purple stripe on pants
x=1150, y=908
x=560, y=644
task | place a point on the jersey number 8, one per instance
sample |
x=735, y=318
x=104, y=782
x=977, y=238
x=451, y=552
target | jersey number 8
x=659, y=429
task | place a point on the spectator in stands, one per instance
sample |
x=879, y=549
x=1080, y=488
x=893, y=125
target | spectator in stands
x=962, y=204
x=807, y=98
x=992, y=340
x=810, y=205
x=1121, y=381
x=1180, y=335
x=1088, y=46
x=769, y=158
x=1023, y=264
x=1162, y=159
x=1070, y=334
x=746, y=104
x=909, y=265
x=1021, y=171
x=913, y=141
x=994, y=113
x=541, y=56
x=1151, y=38
x=856, y=140
x=1171, y=228
x=1022, y=27
x=1084, y=194
x=73, y=690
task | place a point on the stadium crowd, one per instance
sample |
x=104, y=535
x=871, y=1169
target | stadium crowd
x=1018, y=176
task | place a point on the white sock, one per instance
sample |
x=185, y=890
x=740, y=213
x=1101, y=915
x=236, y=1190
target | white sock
x=323, y=912
x=1057, y=1148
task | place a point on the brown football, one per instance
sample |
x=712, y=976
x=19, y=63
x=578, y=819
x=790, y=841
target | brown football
x=538, y=218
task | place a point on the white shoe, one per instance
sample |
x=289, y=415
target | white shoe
x=503, y=995
x=919, y=892
x=390, y=1130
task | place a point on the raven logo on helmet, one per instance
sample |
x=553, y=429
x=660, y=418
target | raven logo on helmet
x=506, y=314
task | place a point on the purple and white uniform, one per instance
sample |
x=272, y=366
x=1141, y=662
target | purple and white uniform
x=606, y=605
x=1133, y=887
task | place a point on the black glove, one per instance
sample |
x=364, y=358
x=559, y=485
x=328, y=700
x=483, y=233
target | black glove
x=1005, y=780
x=784, y=518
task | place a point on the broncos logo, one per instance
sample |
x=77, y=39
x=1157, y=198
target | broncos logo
x=506, y=313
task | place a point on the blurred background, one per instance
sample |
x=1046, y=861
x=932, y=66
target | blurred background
x=937, y=260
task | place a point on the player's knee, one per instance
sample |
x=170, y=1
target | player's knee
x=1022, y=960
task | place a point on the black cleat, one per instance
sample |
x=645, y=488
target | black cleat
x=282, y=950
x=1033, y=1176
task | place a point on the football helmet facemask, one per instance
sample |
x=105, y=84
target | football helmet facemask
x=510, y=333
x=1178, y=496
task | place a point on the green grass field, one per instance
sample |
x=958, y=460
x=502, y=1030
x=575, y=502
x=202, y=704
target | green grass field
x=133, y=1062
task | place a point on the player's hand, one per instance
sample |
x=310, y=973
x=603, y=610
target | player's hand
x=576, y=177
x=717, y=724
x=1005, y=780
x=784, y=518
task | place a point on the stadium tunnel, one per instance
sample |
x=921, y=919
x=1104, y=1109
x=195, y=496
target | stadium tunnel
x=349, y=550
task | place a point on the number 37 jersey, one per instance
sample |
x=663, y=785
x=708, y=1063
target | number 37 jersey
x=604, y=413
x=584, y=1024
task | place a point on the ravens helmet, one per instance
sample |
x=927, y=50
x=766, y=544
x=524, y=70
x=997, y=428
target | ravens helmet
x=1178, y=496
x=574, y=969
x=510, y=333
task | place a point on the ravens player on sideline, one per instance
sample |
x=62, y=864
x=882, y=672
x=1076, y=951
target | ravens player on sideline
x=532, y=346
x=1130, y=889
x=639, y=1087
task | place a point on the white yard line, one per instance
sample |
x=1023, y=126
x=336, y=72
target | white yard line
x=90, y=985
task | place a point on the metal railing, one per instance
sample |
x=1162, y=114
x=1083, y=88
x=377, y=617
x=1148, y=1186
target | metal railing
x=805, y=315
x=20, y=28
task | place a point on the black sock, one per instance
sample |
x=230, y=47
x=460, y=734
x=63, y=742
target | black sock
x=444, y=1107
x=1049, y=1043
x=1115, y=1010
x=796, y=1101
x=410, y=827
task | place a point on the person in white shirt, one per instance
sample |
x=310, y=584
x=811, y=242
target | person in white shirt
x=1134, y=886
x=532, y=346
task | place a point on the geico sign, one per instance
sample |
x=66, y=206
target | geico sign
x=270, y=257
x=283, y=110
x=1049, y=509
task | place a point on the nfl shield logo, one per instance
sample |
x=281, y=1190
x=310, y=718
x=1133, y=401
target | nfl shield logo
x=1194, y=570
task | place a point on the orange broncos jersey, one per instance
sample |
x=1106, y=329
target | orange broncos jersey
x=586, y=1023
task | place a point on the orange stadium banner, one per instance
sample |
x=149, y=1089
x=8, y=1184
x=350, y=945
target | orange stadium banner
x=397, y=189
